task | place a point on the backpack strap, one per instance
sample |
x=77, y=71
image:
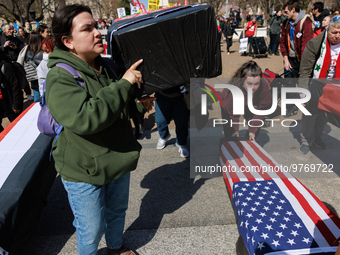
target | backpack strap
x=74, y=73
x=80, y=81
x=303, y=20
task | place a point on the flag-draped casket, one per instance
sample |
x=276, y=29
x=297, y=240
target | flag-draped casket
x=276, y=213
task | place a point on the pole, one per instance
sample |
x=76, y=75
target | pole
x=226, y=9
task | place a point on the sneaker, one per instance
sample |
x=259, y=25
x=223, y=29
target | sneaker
x=319, y=143
x=30, y=97
x=161, y=142
x=304, y=149
x=277, y=53
x=183, y=152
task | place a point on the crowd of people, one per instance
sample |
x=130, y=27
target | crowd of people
x=25, y=46
x=19, y=51
x=298, y=37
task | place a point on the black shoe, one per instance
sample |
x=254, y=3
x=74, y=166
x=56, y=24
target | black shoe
x=292, y=111
x=277, y=53
x=319, y=143
x=270, y=52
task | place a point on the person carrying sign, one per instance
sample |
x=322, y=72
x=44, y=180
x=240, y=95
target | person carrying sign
x=250, y=31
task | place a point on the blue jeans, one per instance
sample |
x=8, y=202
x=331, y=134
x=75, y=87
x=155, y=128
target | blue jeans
x=98, y=210
x=168, y=108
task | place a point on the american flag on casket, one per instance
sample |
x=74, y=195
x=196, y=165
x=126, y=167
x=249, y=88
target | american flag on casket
x=276, y=213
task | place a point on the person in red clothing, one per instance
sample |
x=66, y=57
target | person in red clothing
x=247, y=76
x=250, y=31
x=296, y=31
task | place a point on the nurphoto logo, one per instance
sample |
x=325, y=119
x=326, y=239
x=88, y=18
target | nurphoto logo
x=238, y=99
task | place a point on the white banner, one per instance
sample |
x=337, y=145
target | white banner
x=134, y=10
x=121, y=12
x=243, y=44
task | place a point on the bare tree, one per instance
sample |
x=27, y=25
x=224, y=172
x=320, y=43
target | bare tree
x=217, y=4
x=106, y=8
x=19, y=10
x=242, y=4
x=15, y=10
x=265, y=6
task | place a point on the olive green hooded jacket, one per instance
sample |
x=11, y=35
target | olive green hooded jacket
x=97, y=144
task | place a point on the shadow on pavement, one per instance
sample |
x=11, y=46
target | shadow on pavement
x=170, y=187
x=329, y=155
x=56, y=220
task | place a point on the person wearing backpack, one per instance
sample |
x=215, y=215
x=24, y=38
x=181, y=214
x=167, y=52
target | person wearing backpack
x=274, y=27
x=96, y=149
x=296, y=31
x=33, y=57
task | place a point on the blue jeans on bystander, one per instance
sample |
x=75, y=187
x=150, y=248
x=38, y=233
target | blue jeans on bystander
x=250, y=42
x=98, y=210
x=168, y=108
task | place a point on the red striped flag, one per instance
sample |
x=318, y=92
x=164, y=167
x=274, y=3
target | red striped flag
x=247, y=162
x=23, y=159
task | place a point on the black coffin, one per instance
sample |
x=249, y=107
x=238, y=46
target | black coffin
x=176, y=44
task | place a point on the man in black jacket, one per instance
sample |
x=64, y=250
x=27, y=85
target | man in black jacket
x=9, y=45
x=10, y=48
x=319, y=13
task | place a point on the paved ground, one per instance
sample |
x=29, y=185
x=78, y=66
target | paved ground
x=169, y=213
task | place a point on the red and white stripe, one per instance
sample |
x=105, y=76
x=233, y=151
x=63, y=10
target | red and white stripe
x=16, y=139
x=321, y=223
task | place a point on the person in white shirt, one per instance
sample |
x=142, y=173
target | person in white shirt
x=47, y=45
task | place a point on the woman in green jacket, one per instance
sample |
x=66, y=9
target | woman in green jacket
x=96, y=149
